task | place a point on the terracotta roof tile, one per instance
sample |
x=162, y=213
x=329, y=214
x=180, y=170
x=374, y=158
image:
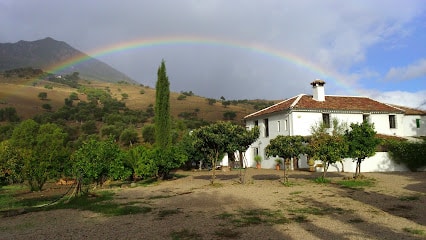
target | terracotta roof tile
x=278, y=107
x=331, y=103
x=411, y=111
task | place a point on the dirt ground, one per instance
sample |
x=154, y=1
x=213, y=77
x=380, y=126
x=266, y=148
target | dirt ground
x=263, y=208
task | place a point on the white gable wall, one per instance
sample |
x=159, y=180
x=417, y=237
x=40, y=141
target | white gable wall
x=302, y=122
x=410, y=125
x=381, y=124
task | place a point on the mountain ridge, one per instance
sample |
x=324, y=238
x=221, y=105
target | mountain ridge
x=48, y=52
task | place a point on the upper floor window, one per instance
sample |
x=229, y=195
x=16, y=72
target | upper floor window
x=326, y=120
x=365, y=117
x=392, y=121
x=418, y=123
x=266, y=123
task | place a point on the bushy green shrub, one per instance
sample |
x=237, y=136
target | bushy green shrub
x=412, y=154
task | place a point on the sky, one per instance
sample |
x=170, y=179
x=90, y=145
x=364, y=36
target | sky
x=243, y=49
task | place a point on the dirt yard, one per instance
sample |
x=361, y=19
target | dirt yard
x=263, y=208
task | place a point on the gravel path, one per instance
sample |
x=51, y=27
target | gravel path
x=191, y=208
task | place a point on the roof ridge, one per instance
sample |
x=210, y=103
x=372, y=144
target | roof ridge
x=346, y=96
x=387, y=104
x=390, y=105
x=297, y=100
x=264, y=109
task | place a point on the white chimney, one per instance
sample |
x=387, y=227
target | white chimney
x=319, y=93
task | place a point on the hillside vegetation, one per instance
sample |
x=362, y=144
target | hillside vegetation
x=21, y=91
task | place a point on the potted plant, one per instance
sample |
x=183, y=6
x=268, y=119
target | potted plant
x=311, y=163
x=319, y=167
x=278, y=161
x=258, y=160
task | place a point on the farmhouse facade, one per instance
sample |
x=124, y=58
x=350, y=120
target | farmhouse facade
x=296, y=116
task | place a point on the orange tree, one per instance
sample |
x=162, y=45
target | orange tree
x=96, y=161
x=286, y=147
x=217, y=139
x=41, y=150
x=328, y=144
x=362, y=143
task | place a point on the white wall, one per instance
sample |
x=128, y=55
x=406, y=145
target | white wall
x=380, y=162
x=279, y=124
x=410, y=127
x=381, y=124
x=299, y=123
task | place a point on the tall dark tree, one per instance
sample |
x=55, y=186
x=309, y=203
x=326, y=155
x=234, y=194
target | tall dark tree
x=162, y=109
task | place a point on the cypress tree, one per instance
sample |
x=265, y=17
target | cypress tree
x=162, y=108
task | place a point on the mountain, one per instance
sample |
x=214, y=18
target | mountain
x=47, y=53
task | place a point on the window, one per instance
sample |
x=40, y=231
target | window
x=256, y=123
x=279, y=126
x=418, y=123
x=392, y=121
x=285, y=125
x=326, y=120
x=266, y=123
x=365, y=117
x=256, y=151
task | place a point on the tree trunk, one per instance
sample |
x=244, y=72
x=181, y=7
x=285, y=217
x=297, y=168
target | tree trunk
x=295, y=163
x=325, y=169
x=214, y=160
x=358, y=168
x=242, y=174
x=285, y=171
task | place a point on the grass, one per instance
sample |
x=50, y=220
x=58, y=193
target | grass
x=410, y=198
x=185, y=234
x=160, y=196
x=227, y=233
x=101, y=202
x=357, y=183
x=414, y=231
x=317, y=210
x=247, y=217
x=356, y=220
x=288, y=184
x=300, y=218
x=167, y=212
x=322, y=180
x=8, y=201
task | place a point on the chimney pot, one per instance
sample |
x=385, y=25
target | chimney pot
x=318, y=87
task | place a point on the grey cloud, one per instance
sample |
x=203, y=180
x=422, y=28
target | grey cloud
x=334, y=35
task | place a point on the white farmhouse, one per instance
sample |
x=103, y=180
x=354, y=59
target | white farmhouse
x=296, y=116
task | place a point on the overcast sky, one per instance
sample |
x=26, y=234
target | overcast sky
x=244, y=49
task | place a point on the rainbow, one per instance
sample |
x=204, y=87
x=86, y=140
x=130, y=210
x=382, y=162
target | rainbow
x=285, y=56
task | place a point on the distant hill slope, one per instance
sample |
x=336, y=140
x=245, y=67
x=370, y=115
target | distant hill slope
x=22, y=93
x=49, y=52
